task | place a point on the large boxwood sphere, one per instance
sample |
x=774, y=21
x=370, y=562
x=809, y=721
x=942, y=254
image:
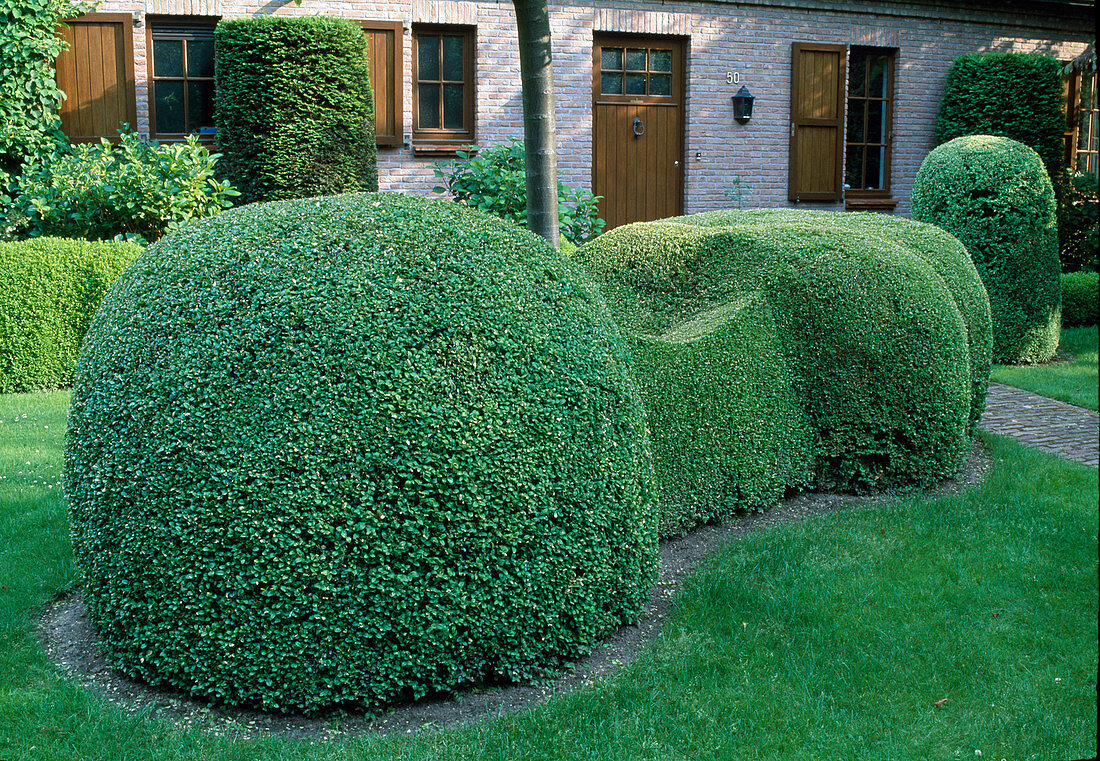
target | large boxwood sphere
x=994, y=195
x=353, y=450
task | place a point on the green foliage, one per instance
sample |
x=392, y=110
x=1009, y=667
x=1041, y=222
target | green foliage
x=1078, y=240
x=784, y=348
x=493, y=179
x=49, y=290
x=294, y=109
x=1080, y=296
x=1014, y=95
x=29, y=97
x=353, y=450
x=993, y=194
x=133, y=189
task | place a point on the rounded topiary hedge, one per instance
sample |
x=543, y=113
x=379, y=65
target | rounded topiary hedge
x=49, y=290
x=783, y=348
x=354, y=450
x=994, y=195
x=1080, y=298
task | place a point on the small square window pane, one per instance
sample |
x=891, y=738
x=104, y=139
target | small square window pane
x=853, y=167
x=660, y=60
x=453, y=114
x=635, y=59
x=875, y=168
x=876, y=76
x=611, y=84
x=876, y=123
x=427, y=58
x=452, y=59
x=428, y=106
x=168, y=58
x=611, y=58
x=200, y=106
x=857, y=75
x=168, y=105
x=200, y=58
x=855, y=121
x=660, y=84
x=634, y=84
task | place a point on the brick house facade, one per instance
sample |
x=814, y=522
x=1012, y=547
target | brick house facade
x=725, y=45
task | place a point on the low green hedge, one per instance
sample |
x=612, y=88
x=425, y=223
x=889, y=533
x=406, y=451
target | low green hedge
x=49, y=290
x=994, y=195
x=294, y=109
x=354, y=450
x=1080, y=296
x=779, y=349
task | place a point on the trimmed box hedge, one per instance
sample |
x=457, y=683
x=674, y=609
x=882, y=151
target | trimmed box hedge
x=49, y=290
x=994, y=195
x=781, y=349
x=294, y=108
x=1080, y=298
x=356, y=450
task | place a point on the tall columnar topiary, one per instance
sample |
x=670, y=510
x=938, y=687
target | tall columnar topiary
x=982, y=96
x=781, y=348
x=353, y=450
x=993, y=194
x=293, y=107
x=49, y=290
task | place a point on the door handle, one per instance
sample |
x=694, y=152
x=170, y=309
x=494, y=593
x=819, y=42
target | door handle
x=639, y=128
x=676, y=163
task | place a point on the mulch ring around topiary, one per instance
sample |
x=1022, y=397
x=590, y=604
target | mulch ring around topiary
x=70, y=642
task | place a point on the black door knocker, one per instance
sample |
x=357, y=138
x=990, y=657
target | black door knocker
x=639, y=128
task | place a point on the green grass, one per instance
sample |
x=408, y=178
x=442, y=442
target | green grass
x=1074, y=382
x=830, y=639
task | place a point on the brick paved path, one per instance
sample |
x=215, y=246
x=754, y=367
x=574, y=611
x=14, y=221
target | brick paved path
x=1056, y=427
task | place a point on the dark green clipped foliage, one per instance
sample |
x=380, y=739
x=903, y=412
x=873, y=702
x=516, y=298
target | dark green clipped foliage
x=294, y=108
x=993, y=194
x=1080, y=298
x=354, y=450
x=49, y=290
x=784, y=348
x=1014, y=95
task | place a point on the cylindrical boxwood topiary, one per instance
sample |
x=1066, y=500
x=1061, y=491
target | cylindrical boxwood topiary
x=994, y=195
x=49, y=290
x=353, y=450
x=294, y=109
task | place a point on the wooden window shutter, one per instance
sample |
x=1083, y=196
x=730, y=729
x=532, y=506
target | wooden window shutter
x=817, y=122
x=384, y=41
x=96, y=73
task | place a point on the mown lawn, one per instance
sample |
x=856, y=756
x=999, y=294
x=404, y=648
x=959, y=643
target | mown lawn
x=1074, y=382
x=832, y=639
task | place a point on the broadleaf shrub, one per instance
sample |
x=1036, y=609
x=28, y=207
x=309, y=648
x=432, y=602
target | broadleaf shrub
x=1078, y=233
x=781, y=349
x=993, y=194
x=49, y=290
x=294, y=109
x=1080, y=298
x=354, y=450
x=493, y=179
x=100, y=191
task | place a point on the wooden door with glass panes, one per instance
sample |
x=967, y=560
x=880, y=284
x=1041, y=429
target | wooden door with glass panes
x=638, y=128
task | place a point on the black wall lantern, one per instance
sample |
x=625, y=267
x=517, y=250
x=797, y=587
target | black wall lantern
x=742, y=105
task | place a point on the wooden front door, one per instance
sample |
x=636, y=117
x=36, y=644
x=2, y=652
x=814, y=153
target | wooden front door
x=638, y=128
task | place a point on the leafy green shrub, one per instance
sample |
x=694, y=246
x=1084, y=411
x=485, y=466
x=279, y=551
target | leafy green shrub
x=49, y=290
x=99, y=191
x=493, y=179
x=1078, y=241
x=29, y=97
x=353, y=450
x=782, y=348
x=993, y=194
x=1080, y=296
x=294, y=110
x=982, y=97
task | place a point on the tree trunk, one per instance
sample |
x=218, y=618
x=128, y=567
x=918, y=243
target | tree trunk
x=539, y=141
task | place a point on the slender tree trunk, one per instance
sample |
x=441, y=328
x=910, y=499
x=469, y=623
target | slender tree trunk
x=539, y=140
